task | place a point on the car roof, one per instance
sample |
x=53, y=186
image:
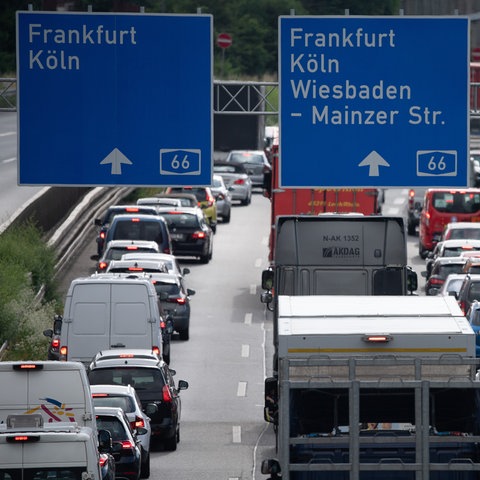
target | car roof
x=126, y=358
x=117, y=389
x=147, y=244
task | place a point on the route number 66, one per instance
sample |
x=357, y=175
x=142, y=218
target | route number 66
x=175, y=161
x=436, y=163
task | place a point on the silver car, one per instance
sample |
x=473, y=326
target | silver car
x=222, y=197
x=255, y=161
x=236, y=179
x=126, y=398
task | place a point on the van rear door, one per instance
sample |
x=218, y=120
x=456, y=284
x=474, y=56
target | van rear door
x=133, y=323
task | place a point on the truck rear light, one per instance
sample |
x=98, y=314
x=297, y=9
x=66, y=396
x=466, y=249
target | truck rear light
x=156, y=350
x=166, y=395
x=27, y=366
x=64, y=352
x=23, y=439
x=377, y=338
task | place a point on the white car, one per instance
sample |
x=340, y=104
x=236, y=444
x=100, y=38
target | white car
x=452, y=284
x=170, y=261
x=126, y=398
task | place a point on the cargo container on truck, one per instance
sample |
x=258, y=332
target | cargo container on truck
x=374, y=389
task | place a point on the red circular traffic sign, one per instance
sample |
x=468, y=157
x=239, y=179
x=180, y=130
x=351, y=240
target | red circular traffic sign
x=224, y=40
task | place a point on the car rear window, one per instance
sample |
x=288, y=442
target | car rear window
x=116, y=253
x=456, y=202
x=246, y=158
x=446, y=270
x=141, y=230
x=172, y=289
x=142, y=379
x=121, y=401
x=462, y=233
x=113, y=425
x=180, y=220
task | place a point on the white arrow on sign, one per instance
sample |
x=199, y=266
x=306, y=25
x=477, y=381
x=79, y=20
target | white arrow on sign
x=116, y=158
x=373, y=160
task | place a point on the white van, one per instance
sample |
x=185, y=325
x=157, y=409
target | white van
x=57, y=391
x=47, y=422
x=104, y=312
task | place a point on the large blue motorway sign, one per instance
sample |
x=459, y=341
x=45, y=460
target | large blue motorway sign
x=374, y=101
x=114, y=99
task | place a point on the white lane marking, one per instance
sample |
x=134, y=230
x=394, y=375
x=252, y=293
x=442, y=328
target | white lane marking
x=241, y=389
x=245, y=351
x=253, y=289
x=9, y=160
x=6, y=134
x=248, y=318
x=237, y=434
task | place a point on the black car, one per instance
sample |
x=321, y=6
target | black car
x=190, y=232
x=103, y=223
x=414, y=206
x=125, y=446
x=53, y=352
x=153, y=381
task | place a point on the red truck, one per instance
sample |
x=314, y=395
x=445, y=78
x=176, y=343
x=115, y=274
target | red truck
x=312, y=201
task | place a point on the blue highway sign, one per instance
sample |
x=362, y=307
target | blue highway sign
x=114, y=99
x=374, y=101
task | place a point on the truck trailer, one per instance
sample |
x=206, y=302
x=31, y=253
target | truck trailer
x=374, y=388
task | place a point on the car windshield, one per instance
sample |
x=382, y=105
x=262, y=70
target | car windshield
x=247, y=158
x=149, y=379
x=121, y=401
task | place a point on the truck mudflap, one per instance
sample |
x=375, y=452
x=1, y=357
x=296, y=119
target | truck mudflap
x=430, y=419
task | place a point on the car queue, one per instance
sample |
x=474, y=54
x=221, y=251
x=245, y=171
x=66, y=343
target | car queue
x=139, y=365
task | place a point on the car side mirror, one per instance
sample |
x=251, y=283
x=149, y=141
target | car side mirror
x=97, y=222
x=190, y=292
x=185, y=271
x=412, y=280
x=48, y=332
x=182, y=385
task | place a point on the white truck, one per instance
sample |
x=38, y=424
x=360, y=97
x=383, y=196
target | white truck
x=369, y=388
x=47, y=423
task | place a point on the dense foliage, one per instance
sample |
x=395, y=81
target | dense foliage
x=27, y=267
x=251, y=23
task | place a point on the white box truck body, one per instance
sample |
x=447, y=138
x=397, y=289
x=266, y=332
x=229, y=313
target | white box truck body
x=372, y=388
x=104, y=312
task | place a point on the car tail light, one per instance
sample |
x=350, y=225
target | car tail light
x=102, y=265
x=132, y=209
x=95, y=395
x=102, y=460
x=103, y=235
x=162, y=324
x=180, y=300
x=437, y=281
x=64, y=352
x=55, y=343
x=411, y=195
x=166, y=395
x=127, y=444
x=137, y=423
x=135, y=220
x=462, y=306
x=167, y=250
x=156, y=350
x=27, y=366
x=135, y=269
x=210, y=199
x=427, y=219
x=240, y=181
x=132, y=247
x=198, y=235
